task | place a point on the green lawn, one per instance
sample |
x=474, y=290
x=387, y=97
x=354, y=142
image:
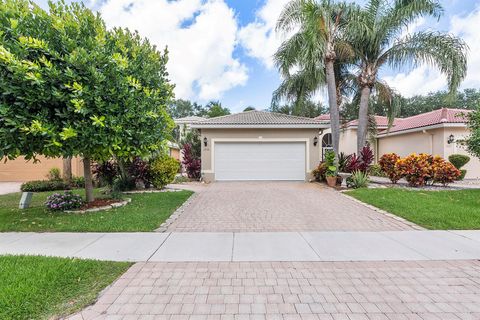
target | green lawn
x=458, y=209
x=145, y=213
x=44, y=288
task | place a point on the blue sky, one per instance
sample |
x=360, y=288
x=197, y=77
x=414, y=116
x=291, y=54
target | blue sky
x=221, y=49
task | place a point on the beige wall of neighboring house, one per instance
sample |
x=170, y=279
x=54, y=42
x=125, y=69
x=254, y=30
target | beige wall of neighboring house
x=258, y=135
x=22, y=170
x=431, y=141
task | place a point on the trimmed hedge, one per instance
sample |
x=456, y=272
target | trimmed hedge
x=44, y=185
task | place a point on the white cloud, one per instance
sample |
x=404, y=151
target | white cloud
x=259, y=37
x=467, y=28
x=423, y=80
x=201, y=38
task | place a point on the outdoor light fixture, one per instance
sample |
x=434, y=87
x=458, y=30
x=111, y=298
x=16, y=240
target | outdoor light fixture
x=315, y=141
x=205, y=141
x=451, y=139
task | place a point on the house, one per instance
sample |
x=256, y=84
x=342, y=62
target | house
x=259, y=145
x=21, y=170
x=439, y=132
x=184, y=125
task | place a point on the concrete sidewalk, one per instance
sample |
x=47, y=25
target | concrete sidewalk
x=258, y=246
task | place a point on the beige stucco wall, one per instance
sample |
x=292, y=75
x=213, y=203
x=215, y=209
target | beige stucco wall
x=22, y=170
x=258, y=135
x=348, y=140
x=433, y=142
x=472, y=167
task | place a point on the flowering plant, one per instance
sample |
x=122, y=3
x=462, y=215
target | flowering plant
x=388, y=164
x=65, y=201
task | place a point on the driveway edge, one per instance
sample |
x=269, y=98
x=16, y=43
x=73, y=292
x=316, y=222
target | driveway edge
x=176, y=214
x=386, y=213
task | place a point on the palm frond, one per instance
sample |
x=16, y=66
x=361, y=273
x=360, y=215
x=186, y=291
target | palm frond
x=446, y=52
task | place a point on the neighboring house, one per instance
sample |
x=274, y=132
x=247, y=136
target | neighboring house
x=439, y=132
x=184, y=125
x=259, y=145
x=21, y=170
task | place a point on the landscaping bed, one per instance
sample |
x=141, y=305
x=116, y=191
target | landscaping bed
x=146, y=212
x=459, y=209
x=49, y=288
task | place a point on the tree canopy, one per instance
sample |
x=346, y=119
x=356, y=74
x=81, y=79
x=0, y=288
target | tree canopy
x=181, y=108
x=70, y=87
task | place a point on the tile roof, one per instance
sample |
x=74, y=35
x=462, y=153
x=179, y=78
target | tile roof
x=439, y=116
x=258, y=119
x=323, y=117
x=381, y=121
x=188, y=119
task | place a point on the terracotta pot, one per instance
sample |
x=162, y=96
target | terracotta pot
x=331, y=181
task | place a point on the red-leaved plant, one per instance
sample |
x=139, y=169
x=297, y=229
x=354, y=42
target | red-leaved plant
x=388, y=164
x=192, y=164
x=361, y=162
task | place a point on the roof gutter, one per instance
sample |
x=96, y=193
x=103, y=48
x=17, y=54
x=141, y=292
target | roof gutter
x=430, y=127
x=260, y=126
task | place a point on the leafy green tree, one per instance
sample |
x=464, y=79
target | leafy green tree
x=181, y=108
x=215, y=109
x=72, y=88
x=473, y=141
x=249, y=108
x=375, y=35
x=314, y=48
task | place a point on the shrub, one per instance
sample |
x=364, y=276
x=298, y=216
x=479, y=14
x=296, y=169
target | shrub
x=444, y=172
x=105, y=172
x=191, y=162
x=343, y=161
x=376, y=171
x=65, y=201
x=458, y=160
x=388, y=164
x=417, y=169
x=163, y=171
x=320, y=171
x=361, y=162
x=54, y=174
x=139, y=171
x=44, y=185
x=77, y=182
x=121, y=184
x=358, y=179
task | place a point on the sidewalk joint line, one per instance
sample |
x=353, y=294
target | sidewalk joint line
x=89, y=244
x=406, y=246
x=309, y=244
x=161, y=244
x=233, y=246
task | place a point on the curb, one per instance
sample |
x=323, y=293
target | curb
x=386, y=213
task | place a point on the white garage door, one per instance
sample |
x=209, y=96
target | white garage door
x=259, y=161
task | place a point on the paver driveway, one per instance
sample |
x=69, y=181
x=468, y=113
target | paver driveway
x=293, y=291
x=278, y=206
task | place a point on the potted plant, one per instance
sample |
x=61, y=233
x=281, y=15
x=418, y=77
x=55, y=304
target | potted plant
x=331, y=175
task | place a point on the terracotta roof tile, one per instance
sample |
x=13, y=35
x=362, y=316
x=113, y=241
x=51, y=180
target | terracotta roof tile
x=256, y=117
x=444, y=115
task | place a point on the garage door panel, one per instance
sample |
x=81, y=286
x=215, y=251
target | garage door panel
x=260, y=161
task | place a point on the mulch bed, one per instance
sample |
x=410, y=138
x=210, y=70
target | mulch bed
x=99, y=203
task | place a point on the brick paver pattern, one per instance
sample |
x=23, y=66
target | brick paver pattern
x=293, y=291
x=278, y=206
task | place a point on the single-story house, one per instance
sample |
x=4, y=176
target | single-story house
x=21, y=170
x=439, y=132
x=259, y=145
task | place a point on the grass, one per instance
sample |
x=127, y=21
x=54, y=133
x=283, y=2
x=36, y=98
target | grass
x=145, y=213
x=44, y=288
x=440, y=210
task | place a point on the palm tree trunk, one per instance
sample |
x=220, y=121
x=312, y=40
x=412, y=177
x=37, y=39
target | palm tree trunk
x=87, y=173
x=332, y=103
x=67, y=169
x=363, y=118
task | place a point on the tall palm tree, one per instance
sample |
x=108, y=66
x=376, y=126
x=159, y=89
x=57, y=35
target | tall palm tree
x=316, y=44
x=376, y=35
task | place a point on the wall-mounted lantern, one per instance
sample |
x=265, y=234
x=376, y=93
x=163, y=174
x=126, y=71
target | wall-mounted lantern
x=451, y=139
x=205, y=141
x=315, y=141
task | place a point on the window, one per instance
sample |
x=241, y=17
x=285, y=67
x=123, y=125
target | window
x=327, y=144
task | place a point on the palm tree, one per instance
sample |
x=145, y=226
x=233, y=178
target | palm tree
x=376, y=35
x=313, y=49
